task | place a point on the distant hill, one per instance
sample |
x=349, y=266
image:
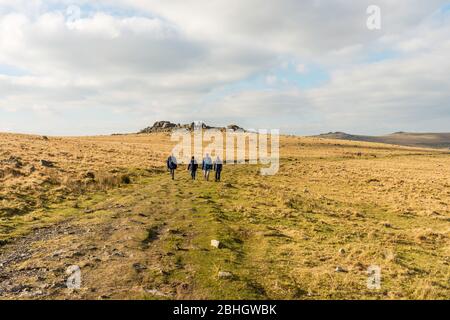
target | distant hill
x=427, y=140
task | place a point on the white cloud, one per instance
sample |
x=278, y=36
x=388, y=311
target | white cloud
x=164, y=61
x=301, y=68
x=271, y=80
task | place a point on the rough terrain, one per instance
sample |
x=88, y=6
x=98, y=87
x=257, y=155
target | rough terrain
x=309, y=232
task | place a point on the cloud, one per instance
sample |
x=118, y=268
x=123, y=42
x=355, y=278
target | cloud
x=409, y=92
x=125, y=63
x=97, y=46
x=301, y=68
x=271, y=80
x=307, y=27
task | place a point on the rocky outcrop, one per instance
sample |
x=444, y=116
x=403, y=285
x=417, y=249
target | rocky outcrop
x=167, y=126
x=161, y=126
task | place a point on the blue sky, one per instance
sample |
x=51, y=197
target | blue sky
x=9, y=70
x=304, y=68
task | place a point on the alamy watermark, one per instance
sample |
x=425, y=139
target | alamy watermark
x=233, y=147
x=74, y=279
x=374, y=278
x=374, y=18
x=73, y=13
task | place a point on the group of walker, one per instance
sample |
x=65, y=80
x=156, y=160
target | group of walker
x=207, y=166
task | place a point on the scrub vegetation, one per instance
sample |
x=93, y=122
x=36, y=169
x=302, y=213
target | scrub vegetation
x=108, y=205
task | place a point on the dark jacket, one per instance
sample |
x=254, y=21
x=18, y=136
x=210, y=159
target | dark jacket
x=193, y=165
x=218, y=166
x=171, y=164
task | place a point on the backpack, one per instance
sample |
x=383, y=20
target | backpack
x=171, y=164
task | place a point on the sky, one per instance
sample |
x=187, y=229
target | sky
x=305, y=67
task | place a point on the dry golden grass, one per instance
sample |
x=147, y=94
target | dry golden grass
x=332, y=204
x=26, y=184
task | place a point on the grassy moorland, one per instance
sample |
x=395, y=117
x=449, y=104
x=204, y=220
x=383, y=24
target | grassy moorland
x=107, y=205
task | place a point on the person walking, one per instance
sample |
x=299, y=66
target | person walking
x=192, y=167
x=218, y=165
x=172, y=165
x=207, y=166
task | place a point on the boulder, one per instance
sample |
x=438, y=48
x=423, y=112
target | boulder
x=215, y=244
x=48, y=164
x=225, y=275
x=89, y=175
x=234, y=127
x=340, y=270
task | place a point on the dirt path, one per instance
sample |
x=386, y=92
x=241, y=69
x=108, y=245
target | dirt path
x=148, y=240
x=110, y=242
